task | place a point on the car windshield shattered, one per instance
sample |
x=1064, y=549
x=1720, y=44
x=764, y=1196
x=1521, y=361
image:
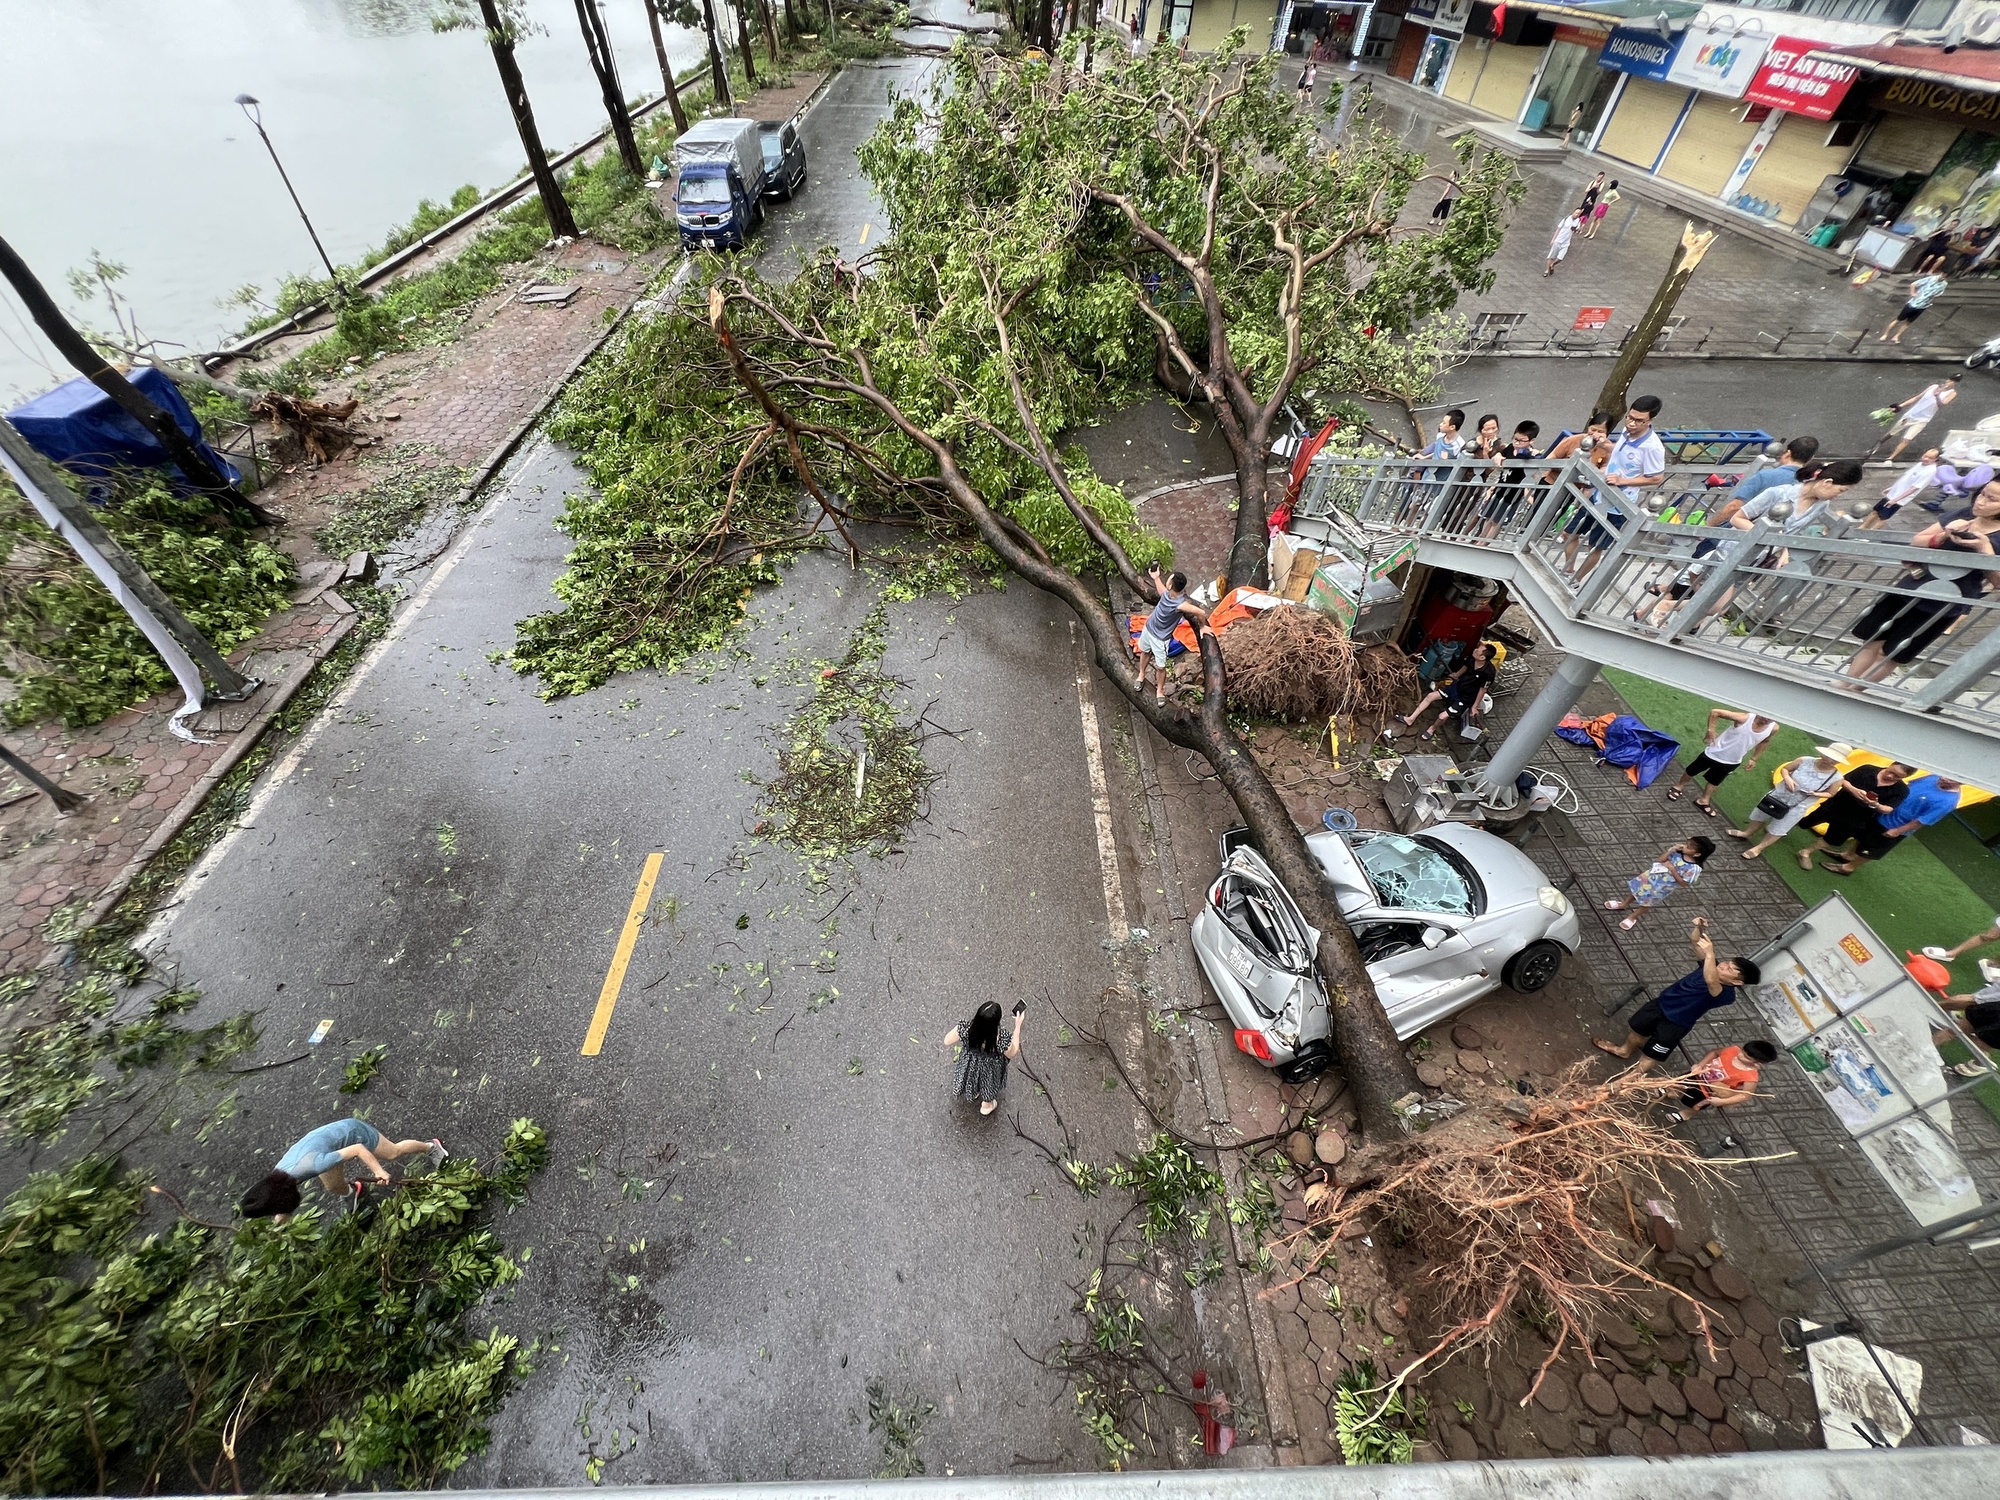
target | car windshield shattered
x=1413, y=874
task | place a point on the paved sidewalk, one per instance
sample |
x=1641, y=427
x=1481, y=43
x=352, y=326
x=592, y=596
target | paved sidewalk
x=1811, y=1194
x=1819, y=1197
x=1742, y=287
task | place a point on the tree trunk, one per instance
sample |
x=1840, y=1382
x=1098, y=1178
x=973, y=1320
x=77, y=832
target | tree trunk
x=792, y=26
x=718, y=70
x=597, y=41
x=195, y=466
x=562, y=222
x=1680, y=271
x=832, y=27
x=770, y=30
x=743, y=42
x=667, y=83
x=1045, y=26
x=1375, y=1064
x=1250, y=547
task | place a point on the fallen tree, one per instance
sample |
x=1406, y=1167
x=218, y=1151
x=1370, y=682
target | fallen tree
x=1212, y=240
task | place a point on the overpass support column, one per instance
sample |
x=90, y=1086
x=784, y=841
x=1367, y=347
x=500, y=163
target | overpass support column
x=1557, y=697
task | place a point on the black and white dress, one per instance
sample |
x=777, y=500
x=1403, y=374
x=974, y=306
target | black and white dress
x=979, y=1075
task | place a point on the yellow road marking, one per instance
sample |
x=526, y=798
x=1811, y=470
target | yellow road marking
x=864, y=233
x=614, y=978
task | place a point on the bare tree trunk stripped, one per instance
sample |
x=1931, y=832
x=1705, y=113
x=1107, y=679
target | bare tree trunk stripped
x=562, y=222
x=667, y=83
x=604, y=63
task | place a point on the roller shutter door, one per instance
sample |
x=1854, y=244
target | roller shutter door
x=1465, y=68
x=1503, y=87
x=1789, y=171
x=1902, y=143
x=1215, y=19
x=1642, y=122
x=1711, y=143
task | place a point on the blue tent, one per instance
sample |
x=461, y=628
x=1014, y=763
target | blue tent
x=78, y=426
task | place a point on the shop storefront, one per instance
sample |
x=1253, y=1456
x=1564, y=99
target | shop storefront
x=1571, y=91
x=1443, y=25
x=1962, y=128
x=1645, y=110
x=1492, y=76
x=1800, y=150
x=1326, y=30
x=1208, y=22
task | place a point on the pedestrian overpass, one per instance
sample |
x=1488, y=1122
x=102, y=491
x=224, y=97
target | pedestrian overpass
x=1764, y=624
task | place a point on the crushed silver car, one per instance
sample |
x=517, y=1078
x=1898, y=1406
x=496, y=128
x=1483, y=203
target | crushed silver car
x=1441, y=917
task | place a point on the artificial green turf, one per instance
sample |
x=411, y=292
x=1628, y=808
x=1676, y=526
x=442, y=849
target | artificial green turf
x=1912, y=898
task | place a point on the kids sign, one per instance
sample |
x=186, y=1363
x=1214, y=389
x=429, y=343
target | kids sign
x=1717, y=62
x=1799, y=85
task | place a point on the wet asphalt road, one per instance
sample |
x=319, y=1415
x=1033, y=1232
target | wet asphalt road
x=761, y=1196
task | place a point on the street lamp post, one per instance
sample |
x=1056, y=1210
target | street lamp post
x=248, y=104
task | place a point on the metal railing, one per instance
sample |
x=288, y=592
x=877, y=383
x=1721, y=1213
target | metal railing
x=1785, y=604
x=1501, y=333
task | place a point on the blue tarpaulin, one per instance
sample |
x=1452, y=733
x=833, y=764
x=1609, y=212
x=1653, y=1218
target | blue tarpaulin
x=1623, y=740
x=84, y=430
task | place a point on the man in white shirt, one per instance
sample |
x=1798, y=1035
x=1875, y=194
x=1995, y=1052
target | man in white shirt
x=1917, y=413
x=1911, y=483
x=1638, y=462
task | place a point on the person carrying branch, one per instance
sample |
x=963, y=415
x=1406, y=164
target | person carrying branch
x=339, y=1155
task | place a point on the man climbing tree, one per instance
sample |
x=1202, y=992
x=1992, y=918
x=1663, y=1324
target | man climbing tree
x=503, y=22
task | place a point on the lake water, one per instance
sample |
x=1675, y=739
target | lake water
x=118, y=134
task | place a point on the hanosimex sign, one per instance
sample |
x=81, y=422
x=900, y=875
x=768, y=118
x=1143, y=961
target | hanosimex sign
x=1643, y=53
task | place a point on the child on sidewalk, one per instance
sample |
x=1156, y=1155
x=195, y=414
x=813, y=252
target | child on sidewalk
x=1911, y=483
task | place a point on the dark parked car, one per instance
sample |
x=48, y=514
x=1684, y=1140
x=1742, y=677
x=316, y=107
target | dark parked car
x=784, y=158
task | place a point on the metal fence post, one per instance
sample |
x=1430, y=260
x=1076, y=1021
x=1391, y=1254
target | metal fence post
x=1721, y=577
x=1961, y=674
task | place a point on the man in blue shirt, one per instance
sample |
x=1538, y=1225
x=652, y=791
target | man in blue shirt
x=1638, y=462
x=1930, y=799
x=1658, y=1026
x=1799, y=450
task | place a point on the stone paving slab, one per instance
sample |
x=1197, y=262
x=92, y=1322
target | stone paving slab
x=1742, y=287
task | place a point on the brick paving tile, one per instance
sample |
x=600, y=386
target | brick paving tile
x=1703, y=1397
x=1624, y=1443
x=1633, y=1395
x=1692, y=1440
x=1658, y=1443
x=1666, y=1395
x=1749, y=1357
x=1726, y=1439
x=1597, y=1394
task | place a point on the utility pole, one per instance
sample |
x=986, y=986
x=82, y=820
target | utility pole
x=666, y=68
x=1639, y=344
x=186, y=453
x=78, y=525
x=605, y=65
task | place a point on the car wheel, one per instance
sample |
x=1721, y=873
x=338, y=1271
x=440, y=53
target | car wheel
x=1308, y=1065
x=1533, y=967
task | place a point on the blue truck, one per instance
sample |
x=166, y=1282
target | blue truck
x=727, y=168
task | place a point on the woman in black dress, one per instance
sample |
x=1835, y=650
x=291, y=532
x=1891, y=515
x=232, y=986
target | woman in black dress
x=1854, y=812
x=1897, y=628
x=981, y=1071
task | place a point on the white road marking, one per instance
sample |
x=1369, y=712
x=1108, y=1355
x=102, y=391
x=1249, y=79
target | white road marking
x=1100, y=793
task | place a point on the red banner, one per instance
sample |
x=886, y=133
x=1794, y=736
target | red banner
x=1591, y=317
x=1788, y=80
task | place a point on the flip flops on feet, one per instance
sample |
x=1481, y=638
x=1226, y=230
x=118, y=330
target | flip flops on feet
x=1628, y=924
x=1707, y=809
x=1676, y=794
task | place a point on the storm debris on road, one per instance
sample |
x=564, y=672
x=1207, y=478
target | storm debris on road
x=851, y=771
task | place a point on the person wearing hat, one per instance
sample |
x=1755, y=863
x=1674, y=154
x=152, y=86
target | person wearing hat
x=1463, y=691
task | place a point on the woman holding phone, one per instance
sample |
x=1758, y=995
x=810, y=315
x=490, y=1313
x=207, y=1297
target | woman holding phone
x=981, y=1071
